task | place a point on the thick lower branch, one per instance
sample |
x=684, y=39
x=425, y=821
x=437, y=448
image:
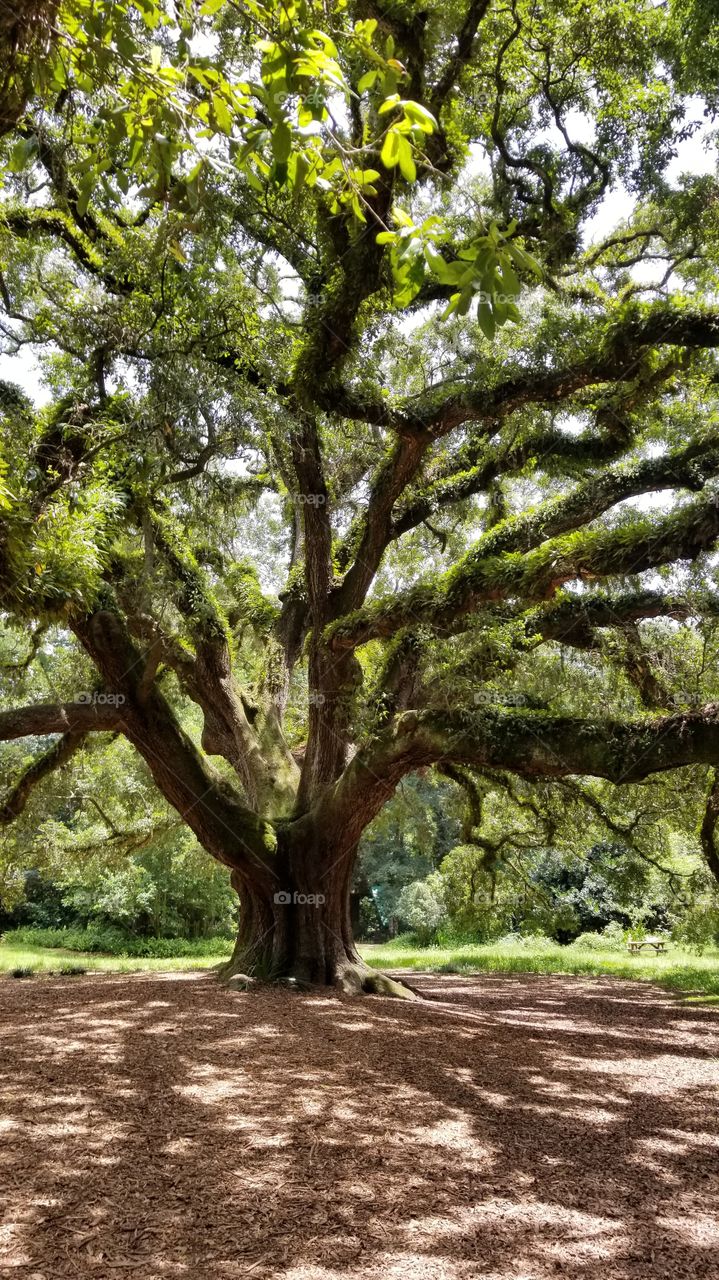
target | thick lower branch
x=85, y=716
x=54, y=758
x=528, y=743
x=223, y=824
x=481, y=578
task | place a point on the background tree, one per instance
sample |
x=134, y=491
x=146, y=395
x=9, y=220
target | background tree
x=569, y=856
x=407, y=840
x=293, y=532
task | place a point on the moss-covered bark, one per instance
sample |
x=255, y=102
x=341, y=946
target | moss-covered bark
x=487, y=574
x=298, y=930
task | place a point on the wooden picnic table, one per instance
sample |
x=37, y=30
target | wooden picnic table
x=635, y=945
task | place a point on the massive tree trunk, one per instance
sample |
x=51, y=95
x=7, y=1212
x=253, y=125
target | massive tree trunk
x=299, y=931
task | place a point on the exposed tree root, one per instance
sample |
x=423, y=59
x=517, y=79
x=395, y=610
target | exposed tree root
x=356, y=978
x=238, y=981
x=352, y=978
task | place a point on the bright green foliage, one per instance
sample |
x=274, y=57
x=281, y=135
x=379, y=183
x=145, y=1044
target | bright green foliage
x=160, y=98
x=421, y=908
x=407, y=842
x=555, y=860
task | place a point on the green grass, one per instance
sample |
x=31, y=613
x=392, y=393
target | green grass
x=53, y=960
x=680, y=970
x=106, y=941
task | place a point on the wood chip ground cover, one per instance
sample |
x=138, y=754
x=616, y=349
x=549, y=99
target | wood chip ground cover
x=509, y=1126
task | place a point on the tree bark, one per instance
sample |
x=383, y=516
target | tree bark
x=26, y=32
x=299, y=932
x=710, y=820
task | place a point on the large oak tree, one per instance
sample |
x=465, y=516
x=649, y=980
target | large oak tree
x=276, y=496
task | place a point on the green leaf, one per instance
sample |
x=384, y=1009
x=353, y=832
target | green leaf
x=177, y=252
x=253, y=180
x=437, y=264
x=486, y=320
x=390, y=149
x=412, y=283
x=402, y=218
x=419, y=115
x=281, y=143
x=524, y=260
x=367, y=81
x=221, y=113
x=456, y=272
x=22, y=153
x=85, y=189
x=407, y=166
x=451, y=307
x=297, y=169
x=464, y=302
x=508, y=280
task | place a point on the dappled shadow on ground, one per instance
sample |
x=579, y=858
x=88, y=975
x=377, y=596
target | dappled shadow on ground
x=512, y=1126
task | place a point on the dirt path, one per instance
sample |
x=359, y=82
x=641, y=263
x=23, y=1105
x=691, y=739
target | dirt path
x=158, y=1126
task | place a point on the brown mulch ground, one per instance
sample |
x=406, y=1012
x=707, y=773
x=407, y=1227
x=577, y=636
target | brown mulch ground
x=523, y=1127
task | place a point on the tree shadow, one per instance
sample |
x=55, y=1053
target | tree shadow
x=511, y=1126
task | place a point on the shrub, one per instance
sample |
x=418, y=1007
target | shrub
x=101, y=940
x=403, y=942
x=422, y=907
x=448, y=935
x=611, y=938
x=615, y=933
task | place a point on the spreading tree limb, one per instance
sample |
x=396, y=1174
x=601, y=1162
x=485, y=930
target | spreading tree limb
x=13, y=803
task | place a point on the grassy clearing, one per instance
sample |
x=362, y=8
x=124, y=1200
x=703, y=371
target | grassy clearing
x=682, y=971
x=105, y=941
x=679, y=970
x=16, y=956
